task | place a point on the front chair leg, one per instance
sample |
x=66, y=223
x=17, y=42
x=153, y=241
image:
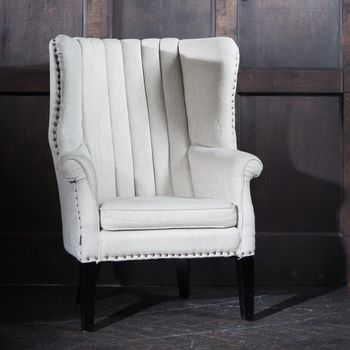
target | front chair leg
x=183, y=277
x=245, y=282
x=87, y=294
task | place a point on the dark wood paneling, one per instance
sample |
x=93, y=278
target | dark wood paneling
x=290, y=81
x=346, y=126
x=97, y=18
x=346, y=78
x=226, y=18
x=163, y=18
x=346, y=32
x=29, y=200
x=31, y=80
x=293, y=33
x=24, y=80
x=299, y=139
x=27, y=26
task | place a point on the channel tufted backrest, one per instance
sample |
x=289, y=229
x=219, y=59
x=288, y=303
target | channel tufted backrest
x=134, y=107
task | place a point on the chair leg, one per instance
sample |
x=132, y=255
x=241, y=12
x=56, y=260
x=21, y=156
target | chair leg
x=77, y=296
x=183, y=277
x=245, y=282
x=87, y=294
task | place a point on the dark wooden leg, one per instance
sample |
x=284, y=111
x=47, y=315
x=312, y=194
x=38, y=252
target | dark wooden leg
x=183, y=277
x=245, y=281
x=77, y=296
x=87, y=289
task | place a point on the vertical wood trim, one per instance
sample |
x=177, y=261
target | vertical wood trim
x=97, y=18
x=226, y=18
x=346, y=150
x=345, y=212
x=346, y=117
x=346, y=32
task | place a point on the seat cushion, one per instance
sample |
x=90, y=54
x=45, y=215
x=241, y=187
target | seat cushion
x=157, y=213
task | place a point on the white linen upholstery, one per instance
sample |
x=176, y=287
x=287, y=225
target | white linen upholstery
x=146, y=213
x=152, y=119
x=210, y=69
x=165, y=244
x=226, y=173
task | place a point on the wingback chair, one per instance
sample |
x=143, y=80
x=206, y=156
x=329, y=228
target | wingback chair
x=143, y=140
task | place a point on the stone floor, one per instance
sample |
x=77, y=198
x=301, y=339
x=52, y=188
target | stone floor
x=155, y=318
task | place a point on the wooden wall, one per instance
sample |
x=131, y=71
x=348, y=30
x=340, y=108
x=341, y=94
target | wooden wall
x=293, y=112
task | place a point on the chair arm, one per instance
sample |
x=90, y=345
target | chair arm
x=80, y=206
x=226, y=174
x=75, y=166
x=221, y=171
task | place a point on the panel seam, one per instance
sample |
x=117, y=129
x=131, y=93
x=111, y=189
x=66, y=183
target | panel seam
x=166, y=118
x=149, y=121
x=127, y=106
x=185, y=105
x=110, y=117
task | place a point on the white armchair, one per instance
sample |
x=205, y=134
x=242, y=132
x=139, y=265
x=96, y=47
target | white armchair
x=143, y=141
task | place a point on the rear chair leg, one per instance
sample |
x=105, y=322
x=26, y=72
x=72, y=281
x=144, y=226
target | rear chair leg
x=86, y=294
x=245, y=282
x=183, y=277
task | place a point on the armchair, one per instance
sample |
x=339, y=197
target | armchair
x=142, y=135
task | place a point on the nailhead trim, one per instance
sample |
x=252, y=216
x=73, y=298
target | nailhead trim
x=166, y=255
x=79, y=219
x=233, y=100
x=58, y=101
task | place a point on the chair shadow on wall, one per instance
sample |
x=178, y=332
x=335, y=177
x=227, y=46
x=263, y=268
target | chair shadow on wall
x=312, y=202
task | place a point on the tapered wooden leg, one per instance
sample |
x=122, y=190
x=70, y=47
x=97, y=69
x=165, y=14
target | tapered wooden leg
x=245, y=281
x=87, y=294
x=77, y=296
x=183, y=277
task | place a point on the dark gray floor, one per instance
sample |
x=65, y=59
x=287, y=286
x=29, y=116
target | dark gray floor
x=155, y=318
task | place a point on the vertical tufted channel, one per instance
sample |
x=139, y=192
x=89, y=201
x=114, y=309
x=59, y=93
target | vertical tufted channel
x=138, y=118
x=96, y=115
x=123, y=155
x=157, y=116
x=176, y=116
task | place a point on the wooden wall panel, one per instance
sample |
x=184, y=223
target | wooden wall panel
x=289, y=113
x=226, y=18
x=287, y=81
x=163, y=18
x=299, y=139
x=293, y=33
x=346, y=124
x=27, y=26
x=97, y=18
x=29, y=199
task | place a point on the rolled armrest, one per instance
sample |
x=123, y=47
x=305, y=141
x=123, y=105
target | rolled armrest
x=80, y=206
x=221, y=171
x=75, y=166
